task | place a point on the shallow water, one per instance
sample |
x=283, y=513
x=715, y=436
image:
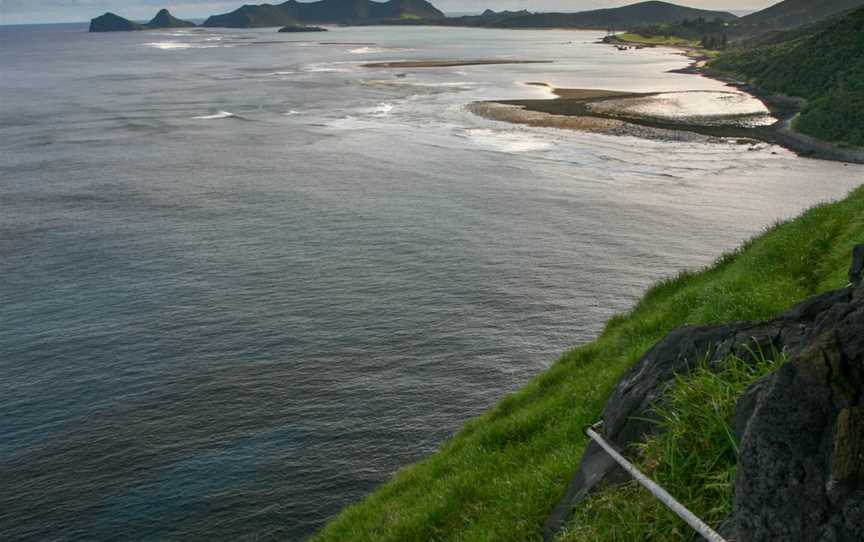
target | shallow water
x=717, y=108
x=246, y=279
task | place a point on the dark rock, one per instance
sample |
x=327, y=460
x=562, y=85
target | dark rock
x=856, y=272
x=848, y=461
x=164, y=19
x=299, y=28
x=801, y=464
x=745, y=407
x=795, y=412
x=113, y=23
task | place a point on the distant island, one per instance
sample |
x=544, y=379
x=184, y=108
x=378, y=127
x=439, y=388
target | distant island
x=164, y=19
x=111, y=22
x=296, y=16
x=293, y=13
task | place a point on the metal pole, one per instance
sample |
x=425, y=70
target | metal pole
x=698, y=525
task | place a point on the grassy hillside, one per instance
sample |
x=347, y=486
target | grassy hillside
x=696, y=33
x=659, y=38
x=827, y=68
x=643, y=13
x=790, y=14
x=499, y=477
x=780, y=22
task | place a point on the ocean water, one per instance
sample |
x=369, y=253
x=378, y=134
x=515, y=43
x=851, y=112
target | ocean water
x=244, y=279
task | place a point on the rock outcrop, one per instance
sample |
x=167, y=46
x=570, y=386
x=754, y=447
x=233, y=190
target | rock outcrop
x=164, y=19
x=801, y=462
x=111, y=22
x=301, y=28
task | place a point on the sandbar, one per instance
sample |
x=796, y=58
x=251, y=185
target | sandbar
x=448, y=63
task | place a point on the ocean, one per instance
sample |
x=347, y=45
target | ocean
x=244, y=278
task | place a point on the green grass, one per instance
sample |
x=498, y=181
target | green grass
x=658, y=40
x=501, y=475
x=694, y=458
x=667, y=41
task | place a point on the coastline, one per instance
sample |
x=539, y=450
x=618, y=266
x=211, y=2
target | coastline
x=519, y=431
x=571, y=110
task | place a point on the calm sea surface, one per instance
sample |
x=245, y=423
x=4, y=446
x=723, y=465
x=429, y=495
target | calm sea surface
x=243, y=279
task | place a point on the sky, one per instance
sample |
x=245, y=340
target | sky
x=43, y=11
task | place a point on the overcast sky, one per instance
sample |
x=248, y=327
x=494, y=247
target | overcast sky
x=33, y=11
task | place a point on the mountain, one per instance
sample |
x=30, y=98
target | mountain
x=773, y=37
x=790, y=14
x=488, y=18
x=250, y=16
x=164, y=19
x=644, y=13
x=826, y=68
x=111, y=22
x=326, y=12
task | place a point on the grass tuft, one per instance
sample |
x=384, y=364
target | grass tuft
x=693, y=458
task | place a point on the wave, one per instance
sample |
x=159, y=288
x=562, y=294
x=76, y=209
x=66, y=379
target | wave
x=181, y=45
x=169, y=45
x=424, y=87
x=280, y=73
x=330, y=67
x=216, y=116
x=508, y=140
x=369, y=50
x=381, y=110
x=347, y=122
